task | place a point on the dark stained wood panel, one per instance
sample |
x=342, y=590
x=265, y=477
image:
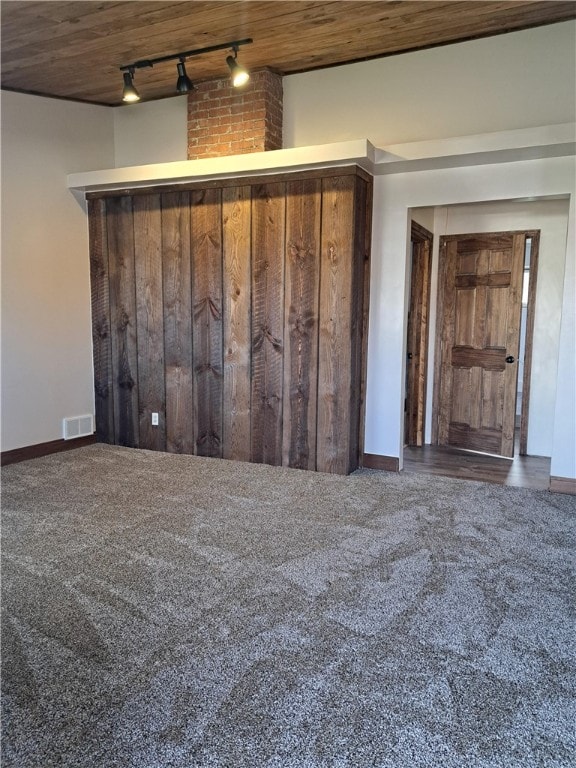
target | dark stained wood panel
x=120, y=228
x=358, y=259
x=335, y=374
x=366, y=222
x=177, y=298
x=101, y=337
x=268, y=248
x=238, y=314
x=206, y=223
x=303, y=211
x=47, y=47
x=237, y=293
x=150, y=320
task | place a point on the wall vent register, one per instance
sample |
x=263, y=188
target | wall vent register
x=77, y=426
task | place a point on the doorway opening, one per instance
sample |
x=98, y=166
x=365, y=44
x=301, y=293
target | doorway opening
x=456, y=459
x=530, y=274
x=547, y=220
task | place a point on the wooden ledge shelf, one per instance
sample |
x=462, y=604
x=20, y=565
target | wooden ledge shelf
x=358, y=153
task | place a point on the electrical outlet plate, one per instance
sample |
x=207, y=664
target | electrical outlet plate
x=154, y=419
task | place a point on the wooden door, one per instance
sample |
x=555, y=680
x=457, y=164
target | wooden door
x=417, y=337
x=480, y=293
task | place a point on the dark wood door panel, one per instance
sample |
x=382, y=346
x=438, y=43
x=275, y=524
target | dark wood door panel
x=483, y=440
x=489, y=359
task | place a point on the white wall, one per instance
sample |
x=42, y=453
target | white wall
x=46, y=327
x=151, y=132
x=394, y=195
x=563, y=462
x=424, y=217
x=520, y=80
x=551, y=218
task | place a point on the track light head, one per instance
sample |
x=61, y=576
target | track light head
x=129, y=94
x=183, y=84
x=239, y=75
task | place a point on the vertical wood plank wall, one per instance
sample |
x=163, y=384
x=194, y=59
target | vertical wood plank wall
x=177, y=298
x=237, y=313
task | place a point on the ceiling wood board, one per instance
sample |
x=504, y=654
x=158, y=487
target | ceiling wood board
x=73, y=50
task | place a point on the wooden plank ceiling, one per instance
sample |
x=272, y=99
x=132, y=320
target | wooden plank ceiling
x=73, y=50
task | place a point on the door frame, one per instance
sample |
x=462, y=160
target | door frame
x=417, y=335
x=530, y=313
x=534, y=234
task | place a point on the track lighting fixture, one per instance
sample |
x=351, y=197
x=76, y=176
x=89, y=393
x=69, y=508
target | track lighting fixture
x=129, y=93
x=184, y=85
x=239, y=75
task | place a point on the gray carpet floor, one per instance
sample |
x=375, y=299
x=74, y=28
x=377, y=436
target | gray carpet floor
x=171, y=611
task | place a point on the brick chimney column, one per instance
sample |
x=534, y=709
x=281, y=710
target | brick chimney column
x=223, y=120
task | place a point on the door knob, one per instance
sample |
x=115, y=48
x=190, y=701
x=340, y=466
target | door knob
x=510, y=359
x=410, y=355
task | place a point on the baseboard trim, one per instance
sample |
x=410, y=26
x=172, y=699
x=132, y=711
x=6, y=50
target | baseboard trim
x=563, y=485
x=44, y=449
x=387, y=463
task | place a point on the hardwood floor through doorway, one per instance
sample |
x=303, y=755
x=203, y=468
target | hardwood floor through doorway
x=521, y=471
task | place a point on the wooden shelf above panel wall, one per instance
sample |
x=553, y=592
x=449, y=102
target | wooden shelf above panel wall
x=359, y=153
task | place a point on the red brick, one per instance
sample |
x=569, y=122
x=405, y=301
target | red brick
x=223, y=120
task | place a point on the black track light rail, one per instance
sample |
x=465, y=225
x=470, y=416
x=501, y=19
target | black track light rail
x=234, y=45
